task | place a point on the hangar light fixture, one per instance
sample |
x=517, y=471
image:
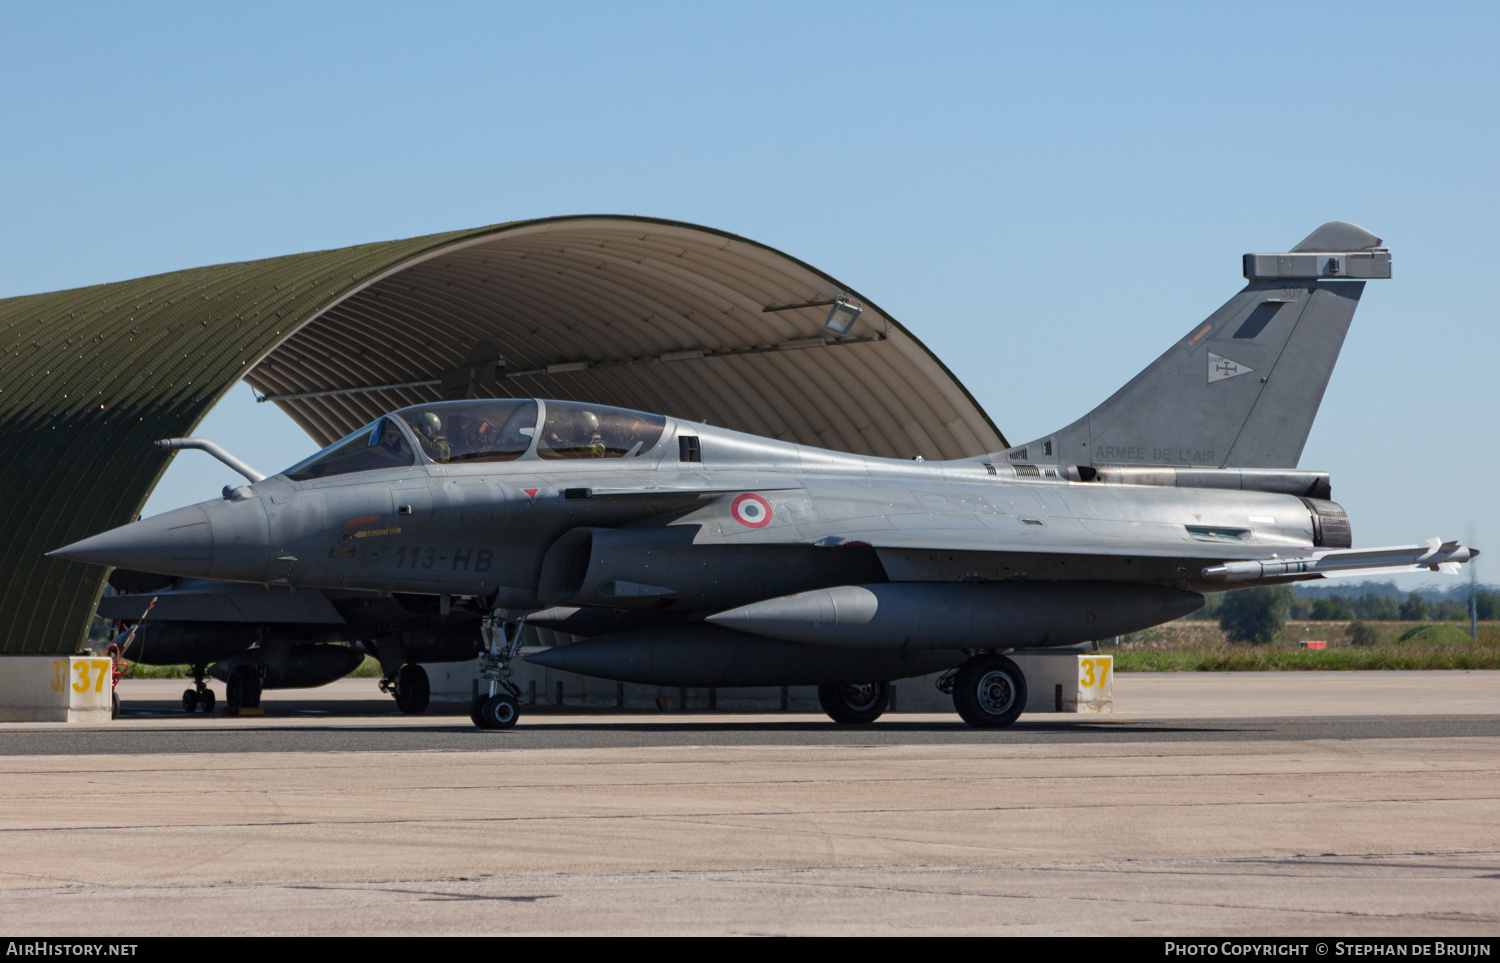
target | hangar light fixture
x=842, y=315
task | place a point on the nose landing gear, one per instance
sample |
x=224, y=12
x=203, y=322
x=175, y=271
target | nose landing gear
x=497, y=699
x=498, y=711
x=200, y=696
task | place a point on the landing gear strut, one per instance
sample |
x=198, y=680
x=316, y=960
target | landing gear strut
x=411, y=689
x=855, y=704
x=989, y=691
x=200, y=696
x=497, y=700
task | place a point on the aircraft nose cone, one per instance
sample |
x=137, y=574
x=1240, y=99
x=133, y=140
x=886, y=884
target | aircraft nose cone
x=179, y=542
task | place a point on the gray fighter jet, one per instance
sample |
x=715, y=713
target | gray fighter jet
x=687, y=555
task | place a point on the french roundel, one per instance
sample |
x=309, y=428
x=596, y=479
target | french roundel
x=751, y=510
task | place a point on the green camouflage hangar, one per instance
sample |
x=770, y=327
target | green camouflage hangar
x=636, y=312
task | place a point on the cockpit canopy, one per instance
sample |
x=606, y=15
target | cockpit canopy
x=576, y=430
x=487, y=430
x=473, y=431
x=378, y=445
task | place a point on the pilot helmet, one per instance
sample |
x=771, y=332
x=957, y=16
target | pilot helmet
x=428, y=423
x=586, y=423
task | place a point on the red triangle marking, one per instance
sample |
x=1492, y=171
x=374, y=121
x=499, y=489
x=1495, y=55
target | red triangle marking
x=530, y=492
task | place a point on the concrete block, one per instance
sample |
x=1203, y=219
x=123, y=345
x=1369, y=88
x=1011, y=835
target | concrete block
x=48, y=688
x=1067, y=681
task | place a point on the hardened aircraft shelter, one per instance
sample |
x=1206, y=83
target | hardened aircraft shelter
x=629, y=311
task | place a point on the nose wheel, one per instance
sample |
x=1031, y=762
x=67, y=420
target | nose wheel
x=499, y=711
x=200, y=696
x=497, y=700
x=989, y=691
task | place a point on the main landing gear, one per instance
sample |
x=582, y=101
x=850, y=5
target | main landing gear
x=200, y=696
x=857, y=704
x=411, y=688
x=243, y=690
x=989, y=691
x=497, y=702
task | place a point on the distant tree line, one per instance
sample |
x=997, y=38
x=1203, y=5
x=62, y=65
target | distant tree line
x=1367, y=606
x=1371, y=607
x=1257, y=615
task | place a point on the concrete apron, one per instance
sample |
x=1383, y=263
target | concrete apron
x=45, y=688
x=1055, y=682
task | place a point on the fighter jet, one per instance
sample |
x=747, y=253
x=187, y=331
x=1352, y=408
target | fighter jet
x=689, y=555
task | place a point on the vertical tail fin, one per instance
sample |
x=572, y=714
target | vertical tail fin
x=1242, y=388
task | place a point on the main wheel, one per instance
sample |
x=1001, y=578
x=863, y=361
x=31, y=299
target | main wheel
x=206, y=702
x=855, y=704
x=243, y=690
x=499, y=711
x=413, y=691
x=989, y=691
x=114, y=705
x=189, y=700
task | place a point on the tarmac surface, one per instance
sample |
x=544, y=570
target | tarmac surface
x=1357, y=804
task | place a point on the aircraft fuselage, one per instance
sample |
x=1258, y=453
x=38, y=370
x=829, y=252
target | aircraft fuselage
x=753, y=518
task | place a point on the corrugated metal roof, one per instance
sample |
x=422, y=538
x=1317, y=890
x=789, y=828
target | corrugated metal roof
x=90, y=377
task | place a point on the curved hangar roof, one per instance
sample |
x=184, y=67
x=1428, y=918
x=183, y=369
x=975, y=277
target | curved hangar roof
x=636, y=312
x=643, y=314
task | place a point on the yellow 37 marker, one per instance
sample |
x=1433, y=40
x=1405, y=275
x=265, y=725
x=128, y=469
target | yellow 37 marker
x=101, y=671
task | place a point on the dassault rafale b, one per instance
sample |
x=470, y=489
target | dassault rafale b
x=688, y=555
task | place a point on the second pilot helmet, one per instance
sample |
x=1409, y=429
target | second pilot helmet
x=428, y=423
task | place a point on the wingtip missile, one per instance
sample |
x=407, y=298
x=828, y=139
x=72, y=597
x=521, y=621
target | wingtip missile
x=1436, y=555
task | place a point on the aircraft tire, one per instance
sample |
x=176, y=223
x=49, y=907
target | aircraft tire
x=206, y=703
x=499, y=711
x=989, y=691
x=413, y=691
x=114, y=705
x=189, y=700
x=854, y=705
x=243, y=690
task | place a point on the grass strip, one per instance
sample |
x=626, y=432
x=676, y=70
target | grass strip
x=1247, y=658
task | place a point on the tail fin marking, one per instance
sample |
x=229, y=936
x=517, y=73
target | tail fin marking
x=1241, y=390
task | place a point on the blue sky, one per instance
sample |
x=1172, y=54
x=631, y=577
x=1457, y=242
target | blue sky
x=1048, y=195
